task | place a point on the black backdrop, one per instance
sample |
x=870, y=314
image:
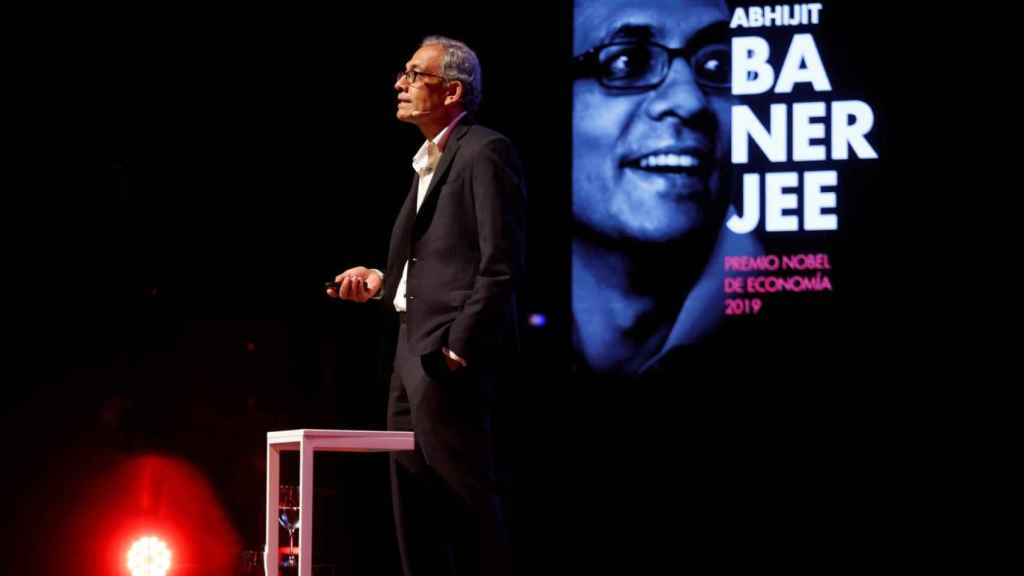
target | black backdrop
x=255, y=155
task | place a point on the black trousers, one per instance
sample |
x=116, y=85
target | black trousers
x=448, y=513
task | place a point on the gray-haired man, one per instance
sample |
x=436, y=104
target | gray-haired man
x=454, y=269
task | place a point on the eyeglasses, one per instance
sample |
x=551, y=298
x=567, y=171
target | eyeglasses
x=637, y=66
x=411, y=76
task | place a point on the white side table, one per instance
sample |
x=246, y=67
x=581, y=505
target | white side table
x=307, y=443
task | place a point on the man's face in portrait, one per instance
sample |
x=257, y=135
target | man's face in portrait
x=650, y=125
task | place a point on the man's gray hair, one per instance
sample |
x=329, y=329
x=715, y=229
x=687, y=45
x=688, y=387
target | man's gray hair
x=460, y=63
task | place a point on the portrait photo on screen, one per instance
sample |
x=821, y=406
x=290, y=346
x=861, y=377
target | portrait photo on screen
x=723, y=158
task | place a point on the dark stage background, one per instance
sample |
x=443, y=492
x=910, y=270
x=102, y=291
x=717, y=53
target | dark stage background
x=255, y=156
x=173, y=304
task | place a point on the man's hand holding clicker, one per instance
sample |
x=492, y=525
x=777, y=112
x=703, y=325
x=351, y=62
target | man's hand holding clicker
x=357, y=284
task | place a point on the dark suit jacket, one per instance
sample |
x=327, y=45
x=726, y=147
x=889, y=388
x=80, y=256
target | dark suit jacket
x=465, y=249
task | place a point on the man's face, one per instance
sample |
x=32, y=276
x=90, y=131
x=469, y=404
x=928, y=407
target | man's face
x=646, y=162
x=424, y=98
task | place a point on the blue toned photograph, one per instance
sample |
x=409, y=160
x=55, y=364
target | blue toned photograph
x=650, y=141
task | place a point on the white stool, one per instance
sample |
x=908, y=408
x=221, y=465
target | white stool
x=307, y=443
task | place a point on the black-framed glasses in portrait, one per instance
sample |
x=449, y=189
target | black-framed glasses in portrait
x=636, y=66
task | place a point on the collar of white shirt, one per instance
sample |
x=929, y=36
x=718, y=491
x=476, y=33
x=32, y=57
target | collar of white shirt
x=427, y=156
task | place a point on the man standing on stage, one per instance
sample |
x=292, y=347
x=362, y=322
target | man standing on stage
x=454, y=269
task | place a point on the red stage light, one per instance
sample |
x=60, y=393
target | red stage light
x=149, y=556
